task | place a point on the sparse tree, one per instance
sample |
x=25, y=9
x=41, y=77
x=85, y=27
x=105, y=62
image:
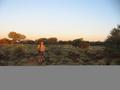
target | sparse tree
x=52, y=40
x=112, y=44
x=16, y=37
x=5, y=41
x=77, y=42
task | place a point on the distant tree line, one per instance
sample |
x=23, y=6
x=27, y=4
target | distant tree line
x=17, y=38
x=112, y=42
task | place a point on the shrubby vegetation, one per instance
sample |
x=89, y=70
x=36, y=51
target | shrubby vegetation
x=15, y=53
x=21, y=54
x=18, y=51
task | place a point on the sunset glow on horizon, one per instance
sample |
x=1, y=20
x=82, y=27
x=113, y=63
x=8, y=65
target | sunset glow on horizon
x=64, y=19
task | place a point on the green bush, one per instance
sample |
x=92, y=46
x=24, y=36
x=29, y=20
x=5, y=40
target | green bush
x=112, y=43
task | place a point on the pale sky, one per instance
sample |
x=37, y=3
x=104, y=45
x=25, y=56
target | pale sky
x=64, y=19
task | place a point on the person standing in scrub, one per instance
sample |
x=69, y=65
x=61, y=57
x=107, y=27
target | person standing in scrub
x=41, y=49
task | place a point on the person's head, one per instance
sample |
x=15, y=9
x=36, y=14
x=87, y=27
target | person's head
x=41, y=43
